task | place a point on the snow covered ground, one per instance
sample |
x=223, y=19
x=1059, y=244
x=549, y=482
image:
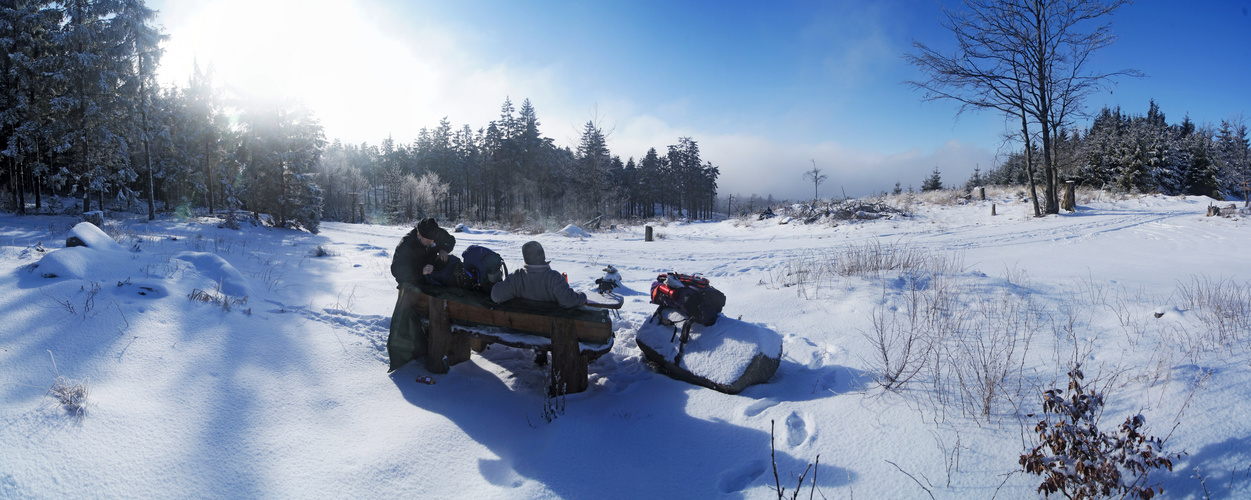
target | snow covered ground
x=196, y=392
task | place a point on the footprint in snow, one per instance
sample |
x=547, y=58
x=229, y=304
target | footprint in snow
x=499, y=473
x=738, y=479
x=796, y=430
x=817, y=360
x=759, y=406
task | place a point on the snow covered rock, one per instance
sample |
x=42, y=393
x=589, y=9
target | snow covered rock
x=573, y=231
x=727, y=356
x=86, y=234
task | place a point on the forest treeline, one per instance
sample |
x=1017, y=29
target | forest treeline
x=508, y=171
x=82, y=116
x=1145, y=154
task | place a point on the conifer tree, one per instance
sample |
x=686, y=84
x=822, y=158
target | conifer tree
x=282, y=144
x=593, y=161
x=27, y=52
x=934, y=182
x=1202, y=178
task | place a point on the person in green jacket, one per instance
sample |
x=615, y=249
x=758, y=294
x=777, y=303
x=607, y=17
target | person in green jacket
x=421, y=259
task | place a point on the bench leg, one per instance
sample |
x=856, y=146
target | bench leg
x=454, y=346
x=439, y=337
x=459, y=349
x=569, y=367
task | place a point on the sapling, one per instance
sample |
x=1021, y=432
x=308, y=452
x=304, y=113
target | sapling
x=1078, y=460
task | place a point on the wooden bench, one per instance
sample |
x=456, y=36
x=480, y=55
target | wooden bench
x=461, y=321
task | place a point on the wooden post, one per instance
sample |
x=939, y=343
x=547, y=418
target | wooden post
x=992, y=209
x=439, y=337
x=1070, y=197
x=981, y=192
x=569, y=367
x=647, y=233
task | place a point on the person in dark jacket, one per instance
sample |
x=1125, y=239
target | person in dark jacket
x=421, y=259
x=537, y=281
x=423, y=256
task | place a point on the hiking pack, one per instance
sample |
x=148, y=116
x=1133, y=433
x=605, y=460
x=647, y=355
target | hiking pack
x=689, y=294
x=484, y=266
x=611, y=280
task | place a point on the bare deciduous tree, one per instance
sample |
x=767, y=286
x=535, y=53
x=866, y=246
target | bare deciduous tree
x=817, y=178
x=1026, y=58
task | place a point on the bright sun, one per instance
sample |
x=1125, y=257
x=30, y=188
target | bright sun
x=362, y=82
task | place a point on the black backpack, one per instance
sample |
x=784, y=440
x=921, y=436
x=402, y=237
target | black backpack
x=484, y=266
x=695, y=298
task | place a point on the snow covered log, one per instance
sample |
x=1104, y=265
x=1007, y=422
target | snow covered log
x=728, y=356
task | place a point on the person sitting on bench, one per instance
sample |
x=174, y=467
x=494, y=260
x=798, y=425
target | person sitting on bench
x=421, y=259
x=537, y=281
x=423, y=256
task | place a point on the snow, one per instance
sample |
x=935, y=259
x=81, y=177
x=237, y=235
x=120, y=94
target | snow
x=573, y=231
x=285, y=394
x=216, y=270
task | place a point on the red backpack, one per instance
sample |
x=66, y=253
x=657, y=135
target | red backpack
x=690, y=294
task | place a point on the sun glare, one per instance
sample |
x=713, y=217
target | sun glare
x=362, y=81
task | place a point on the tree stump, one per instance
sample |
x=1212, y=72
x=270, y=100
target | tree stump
x=981, y=192
x=992, y=209
x=1070, y=197
x=647, y=233
x=95, y=217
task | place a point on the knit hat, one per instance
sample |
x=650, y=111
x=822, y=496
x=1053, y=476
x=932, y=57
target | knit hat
x=426, y=228
x=532, y=252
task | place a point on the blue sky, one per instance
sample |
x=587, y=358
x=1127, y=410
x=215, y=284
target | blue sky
x=766, y=88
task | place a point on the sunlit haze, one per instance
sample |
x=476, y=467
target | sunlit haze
x=766, y=89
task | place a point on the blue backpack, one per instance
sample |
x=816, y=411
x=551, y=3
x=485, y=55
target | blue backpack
x=484, y=266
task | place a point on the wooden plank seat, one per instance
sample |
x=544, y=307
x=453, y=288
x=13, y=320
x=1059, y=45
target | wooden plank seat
x=461, y=321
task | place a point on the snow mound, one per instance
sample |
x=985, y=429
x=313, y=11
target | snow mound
x=219, y=271
x=72, y=262
x=573, y=231
x=88, y=251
